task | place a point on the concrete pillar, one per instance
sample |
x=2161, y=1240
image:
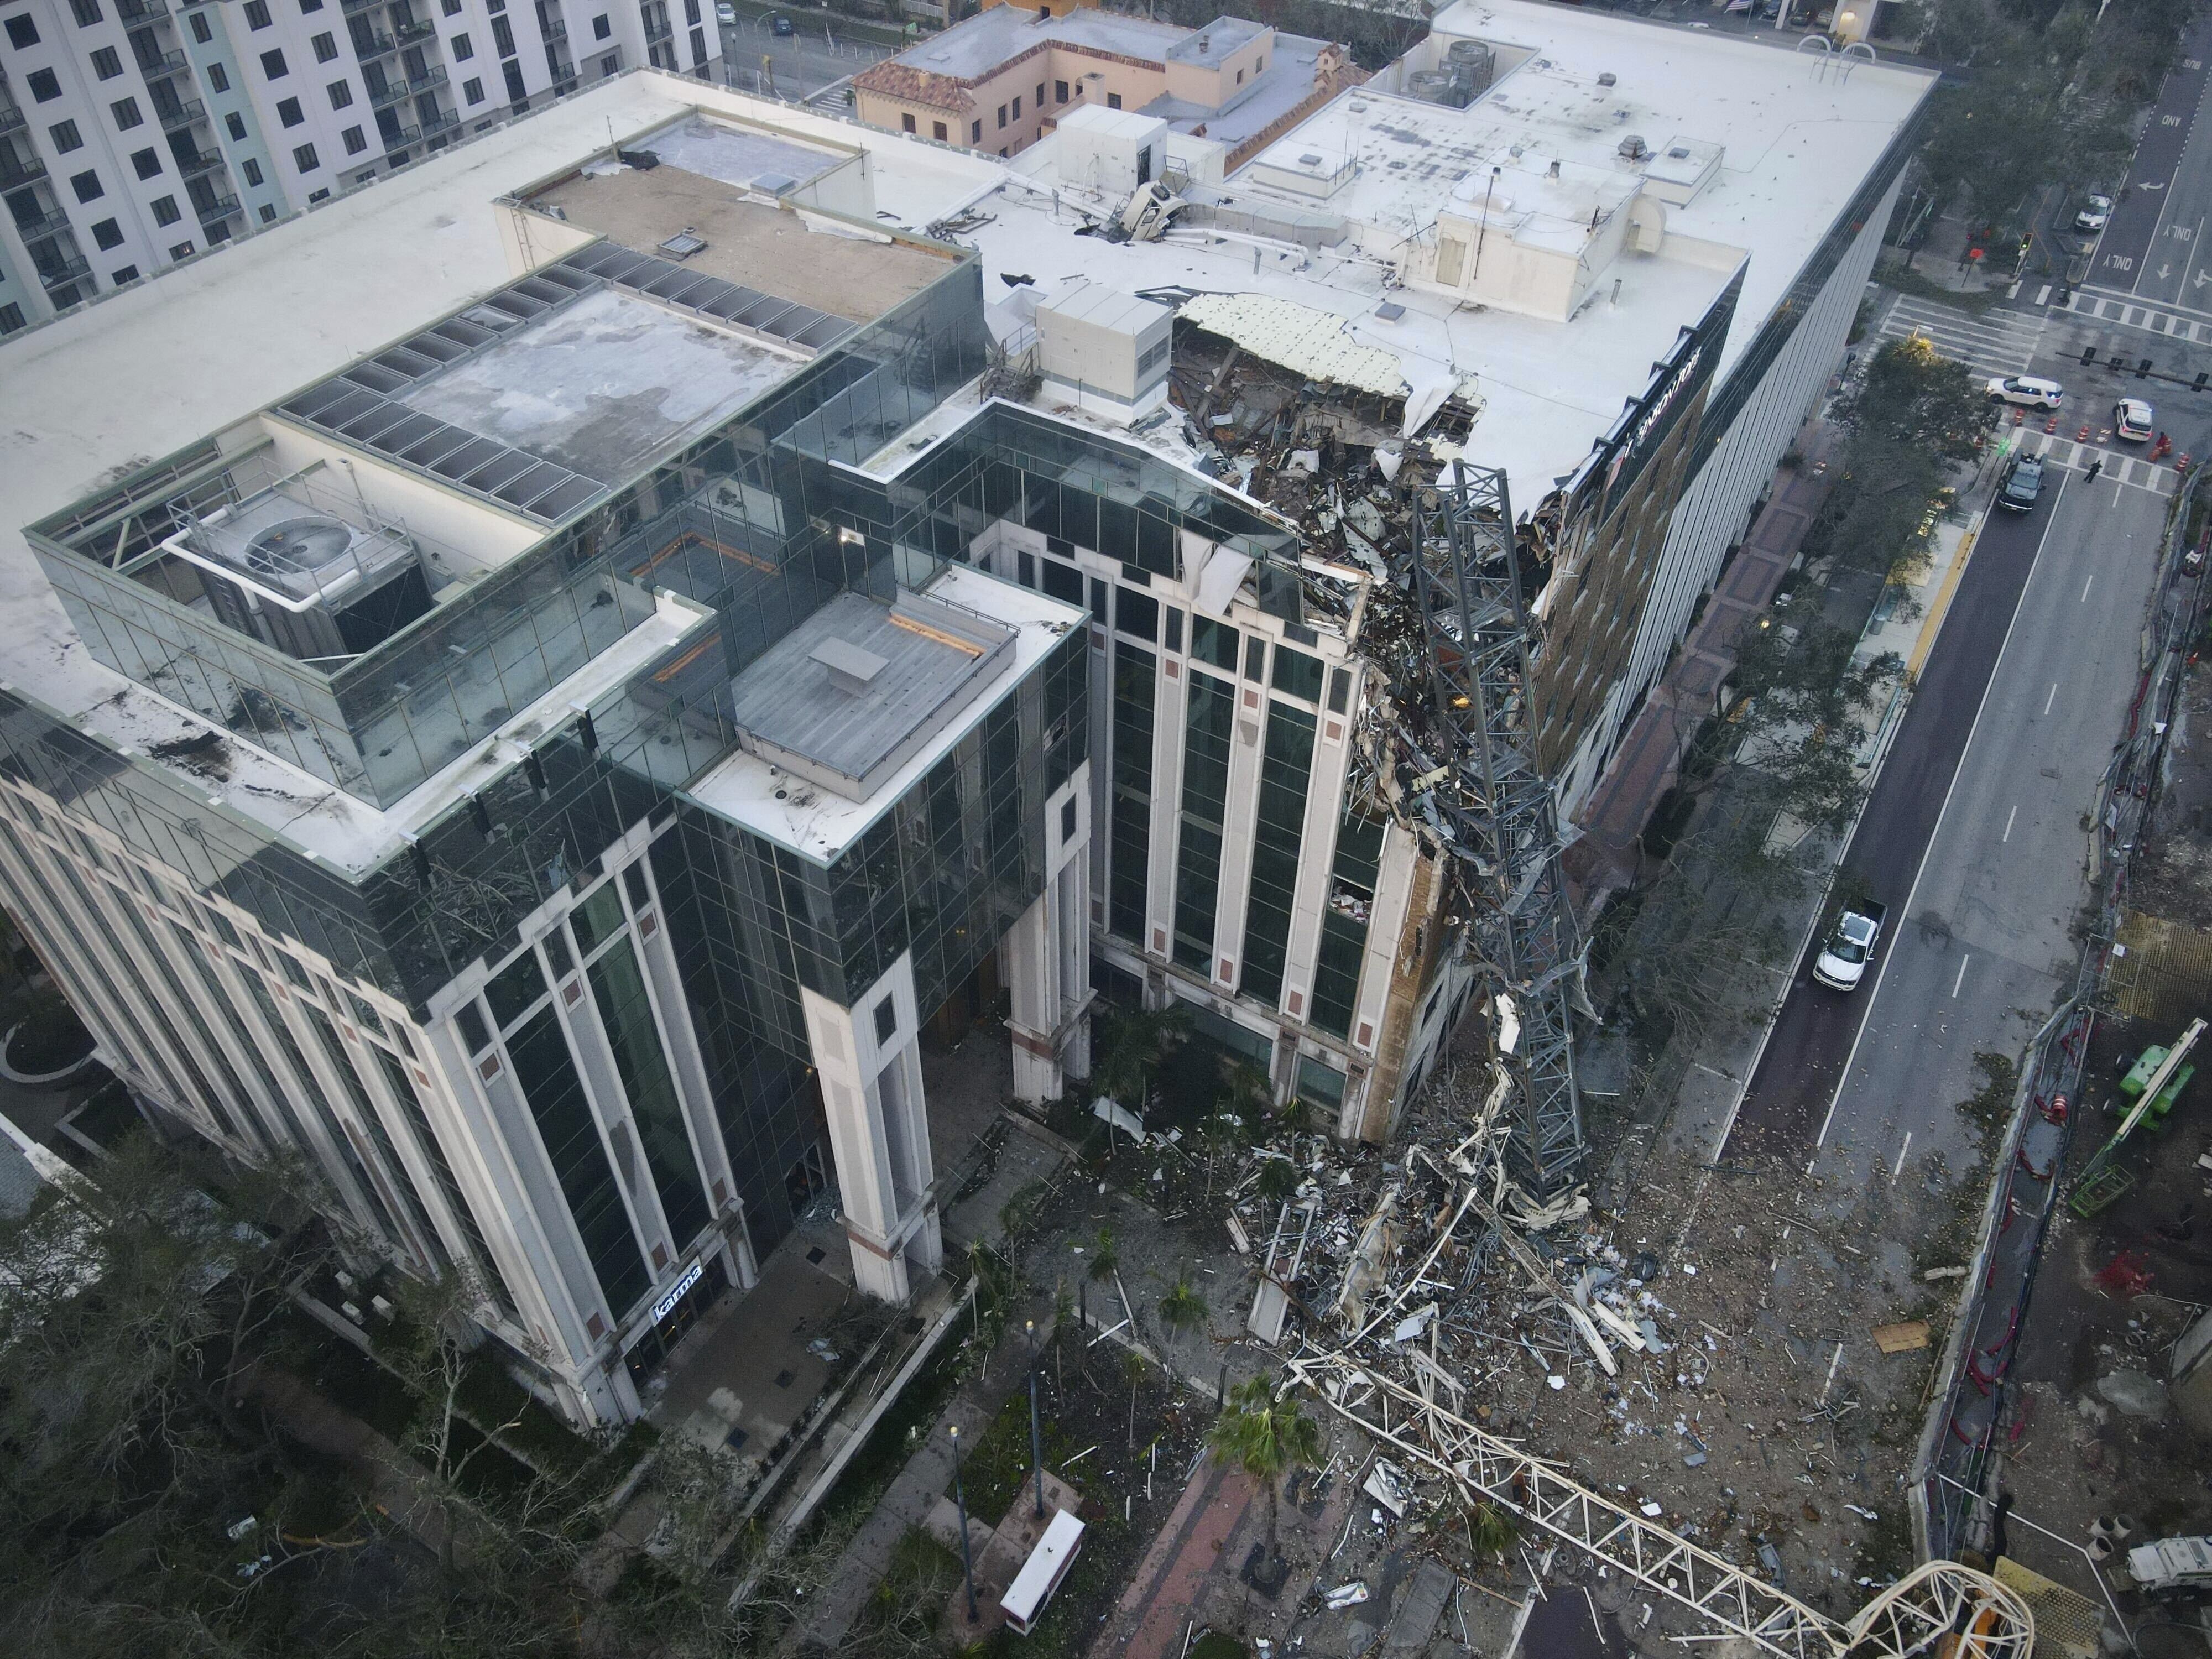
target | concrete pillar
x=1048, y=954
x=869, y=1059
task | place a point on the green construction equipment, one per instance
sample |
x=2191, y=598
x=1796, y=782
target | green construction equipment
x=2153, y=1084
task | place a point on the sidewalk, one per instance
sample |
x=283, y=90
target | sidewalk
x=915, y=1490
x=1606, y=857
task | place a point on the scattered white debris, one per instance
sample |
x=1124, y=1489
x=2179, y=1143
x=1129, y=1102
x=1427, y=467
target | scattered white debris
x=1345, y=1596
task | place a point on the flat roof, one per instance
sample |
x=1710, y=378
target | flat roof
x=603, y=385
x=974, y=50
x=819, y=823
x=743, y=156
x=1265, y=98
x=201, y=348
x=1215, y=43
x=848, y=691
x=752, y=244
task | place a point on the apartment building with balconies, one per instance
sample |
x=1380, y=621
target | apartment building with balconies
x=134, y=134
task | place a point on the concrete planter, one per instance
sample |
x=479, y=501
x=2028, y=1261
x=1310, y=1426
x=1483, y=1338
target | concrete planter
x=55, y=1079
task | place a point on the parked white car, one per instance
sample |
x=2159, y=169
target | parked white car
x=725, y=13
x=2132, y=419
x=2027, y=390
x=2096, y=213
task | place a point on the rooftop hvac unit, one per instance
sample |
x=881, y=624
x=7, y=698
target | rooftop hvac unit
x=1472, y=64
x=303, y=580
x=1437, y=86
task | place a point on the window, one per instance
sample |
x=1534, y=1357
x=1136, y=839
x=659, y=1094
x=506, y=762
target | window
x=1240, y=77
x=251, y=171
x=1002, y=117
x=88, y=12
x=690, y=11
x=356, y=140
x=88, y=186
x=326, y=47
x=462, y=51
x=22, y=33
x=608, y=63
x=1060, y=92
x=165, y=211
x=65, y=137
x=146, y=163
x=1017, y=110
x=107, y=62
x=315, y=195
x=975, y=133
x=502, y=36
x=257, y=14
x=45, y=85
x=218, y=77
x=886, y=1020
x=234, y=125
x=453, y=8
x=1113, y=101
x=272, y=64
x=125, y=111
x=472, y=90
x=341, y=93
x=289, y=113
x=937, y=130
x=304, y=158
x=600, y=27
x=268, y=213
x=201, y=32
x=107, y=234
x=1260, y=65
x=1136, y=613
x=517, y=93
x=180, y=251
x=906, y=123
x=1297, y=674
x=11, y=318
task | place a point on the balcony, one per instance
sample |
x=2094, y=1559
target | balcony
x=554, y=29
x=154, y=65
x=46, y=224
x=15, y=171
x=379, y=45
x=13, y=120
x=421, y=29
x=564, y=80
x=192, y=167
x=399, y=140
x=350, y=7
x=659, y=29
x=444, y=121
x=140, y=11
x=55, y=272
x=181, y=115
x=390, y=92
x=222, y=207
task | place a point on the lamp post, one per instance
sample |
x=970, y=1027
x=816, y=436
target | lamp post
x=1037, y=1435
x=960, y=1497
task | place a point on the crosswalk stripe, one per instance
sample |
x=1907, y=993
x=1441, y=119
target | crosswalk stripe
x=2002, y=343
x=2170, y=324
x=2074, y=456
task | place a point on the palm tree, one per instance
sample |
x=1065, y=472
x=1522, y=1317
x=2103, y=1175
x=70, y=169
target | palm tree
x=1132, y=1044
x=1182, y=1308
x=1267, y=1436
x=1105, y=1255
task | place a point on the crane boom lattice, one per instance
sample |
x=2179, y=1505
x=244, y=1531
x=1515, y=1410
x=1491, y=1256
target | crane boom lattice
x=1492, y=805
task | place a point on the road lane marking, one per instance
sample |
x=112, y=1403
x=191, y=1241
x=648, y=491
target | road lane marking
x=1961, y=980
x=2043, y=295
x=2085, y=580
x=1898, y=1169
x=2014, y=813
x=1943, y=812
x=2052, y=698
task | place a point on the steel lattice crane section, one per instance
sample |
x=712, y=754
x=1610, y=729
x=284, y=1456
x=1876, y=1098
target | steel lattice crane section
x=1493, y=804
x=1910, y=1618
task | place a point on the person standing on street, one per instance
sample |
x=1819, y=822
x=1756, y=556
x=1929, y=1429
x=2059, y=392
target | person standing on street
x=2095, y=467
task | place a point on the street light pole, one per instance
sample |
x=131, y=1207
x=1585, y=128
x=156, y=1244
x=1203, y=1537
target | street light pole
x=1037, y=1436
x=960, y=1497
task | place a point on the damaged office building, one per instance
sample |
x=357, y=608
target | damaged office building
x=566, y=664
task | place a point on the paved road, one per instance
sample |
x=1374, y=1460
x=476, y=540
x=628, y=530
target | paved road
x=1796, y=1078
x=2154, y=246
x=797, y=65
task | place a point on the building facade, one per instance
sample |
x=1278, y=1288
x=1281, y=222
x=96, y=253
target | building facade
x=134, y=134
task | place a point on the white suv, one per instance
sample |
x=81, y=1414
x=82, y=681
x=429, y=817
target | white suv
x=2027, y=390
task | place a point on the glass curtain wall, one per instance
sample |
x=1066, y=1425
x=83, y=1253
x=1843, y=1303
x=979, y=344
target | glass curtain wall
x=1285, y=769
x=1205, y=804
x=1136, y=678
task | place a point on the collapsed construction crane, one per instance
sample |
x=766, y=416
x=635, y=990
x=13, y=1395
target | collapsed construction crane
x=1484, y=794
x=1475, y=779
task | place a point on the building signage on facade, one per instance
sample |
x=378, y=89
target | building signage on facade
x=666, y=1305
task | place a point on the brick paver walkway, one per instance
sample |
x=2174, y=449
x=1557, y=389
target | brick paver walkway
x=1605, y=858
x=1193, y=1547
